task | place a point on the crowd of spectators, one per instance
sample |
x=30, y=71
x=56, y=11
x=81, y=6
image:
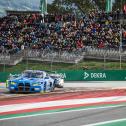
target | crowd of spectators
x=60, y=32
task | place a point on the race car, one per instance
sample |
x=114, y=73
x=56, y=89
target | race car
x=58, y=80
x=31, y=81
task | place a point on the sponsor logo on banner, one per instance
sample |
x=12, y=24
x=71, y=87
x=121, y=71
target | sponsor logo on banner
x=94, y=75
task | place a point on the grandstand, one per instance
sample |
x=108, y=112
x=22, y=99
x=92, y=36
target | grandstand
x=27, y=34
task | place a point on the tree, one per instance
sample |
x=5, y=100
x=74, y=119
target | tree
x=51, y=8
x=69, y=5
x=119, y=4
x=101, y=4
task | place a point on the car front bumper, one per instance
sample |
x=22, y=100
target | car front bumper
x=13, y=88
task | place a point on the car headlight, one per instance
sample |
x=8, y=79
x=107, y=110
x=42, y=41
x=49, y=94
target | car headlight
x=62, y=81
x=13, y=83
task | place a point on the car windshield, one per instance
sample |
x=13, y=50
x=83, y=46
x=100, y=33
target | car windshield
x=33, y=74
x=14, y=76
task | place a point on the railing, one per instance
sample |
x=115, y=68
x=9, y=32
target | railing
x=109, y=54
x=50, y=55
x=63, y=56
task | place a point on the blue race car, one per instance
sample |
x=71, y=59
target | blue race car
x=31, y=81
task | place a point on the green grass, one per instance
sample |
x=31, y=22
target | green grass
x=91, y=65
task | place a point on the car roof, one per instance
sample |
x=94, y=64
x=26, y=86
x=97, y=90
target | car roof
x=35, y=71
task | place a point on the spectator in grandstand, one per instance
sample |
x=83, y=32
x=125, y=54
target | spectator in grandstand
x=60, y=32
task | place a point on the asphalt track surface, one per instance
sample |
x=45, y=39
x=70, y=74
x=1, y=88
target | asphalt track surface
x=97, y=84
x=75, y=118
x=70, y=118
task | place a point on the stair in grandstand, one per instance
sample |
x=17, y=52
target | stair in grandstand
x=11, y=59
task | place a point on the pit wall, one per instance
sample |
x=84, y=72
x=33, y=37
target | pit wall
x=83, y=75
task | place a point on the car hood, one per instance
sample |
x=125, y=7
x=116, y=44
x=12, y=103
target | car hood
x=27, y=80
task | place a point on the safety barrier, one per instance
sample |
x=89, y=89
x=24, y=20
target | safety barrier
x=85, y=75
x=94, y=75
x=3, y=76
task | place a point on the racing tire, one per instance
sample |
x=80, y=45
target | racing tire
x=12, y=92
x=59, y=86
x=44, y=88
x=52, y=87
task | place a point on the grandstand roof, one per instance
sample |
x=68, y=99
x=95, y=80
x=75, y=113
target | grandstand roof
x=18, y=5
x=21, y=12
